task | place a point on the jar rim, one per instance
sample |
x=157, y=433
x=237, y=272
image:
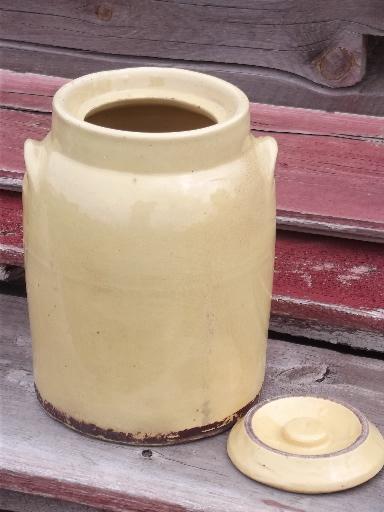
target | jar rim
x=73, y=101
x=171, y=151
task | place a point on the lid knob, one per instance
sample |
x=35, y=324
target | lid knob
x=304, y=431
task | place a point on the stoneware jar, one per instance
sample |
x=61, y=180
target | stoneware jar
x=149, y=224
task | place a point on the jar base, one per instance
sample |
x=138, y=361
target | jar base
x=183, y=436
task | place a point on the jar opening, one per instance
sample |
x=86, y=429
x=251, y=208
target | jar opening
x=150, y=116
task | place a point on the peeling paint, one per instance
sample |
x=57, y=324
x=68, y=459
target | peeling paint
x=140, y=438
x=323, y=266
x=11, y=248
x=356, y=273
x=347, y=278
x=306, y=276
x=307, y=279
x=377, y=314
x=363, y=269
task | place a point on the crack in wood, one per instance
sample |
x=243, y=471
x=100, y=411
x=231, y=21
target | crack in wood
x=185, y=463
x=340, y=347
x=281, y=507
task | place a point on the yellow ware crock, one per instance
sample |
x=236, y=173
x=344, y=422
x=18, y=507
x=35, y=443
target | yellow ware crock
x=149, y=260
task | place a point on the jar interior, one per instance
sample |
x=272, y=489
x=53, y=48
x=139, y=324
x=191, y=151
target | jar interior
x=150, y=116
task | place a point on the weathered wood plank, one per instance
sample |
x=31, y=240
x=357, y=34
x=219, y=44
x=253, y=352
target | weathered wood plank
x=20, y=502
x=332, y=317
x=195, y=476
x=330, y=185
x=326, y=182
x=263, y=85
x=11, y=228
x=15, y=128
x=328, y=48
x=28, y=91
x=274, y=118
x=331, y=285
x=324, y=288
x=34, y=92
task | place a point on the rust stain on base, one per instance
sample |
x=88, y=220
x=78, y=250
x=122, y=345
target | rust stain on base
x=189, y=434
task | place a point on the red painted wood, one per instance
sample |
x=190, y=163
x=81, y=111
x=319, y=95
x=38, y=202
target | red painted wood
x=28, y=90
x=15, y=128
x=34, y=92
x=323, y=184
x=335, y=182
x=331, y=281
x=327, y=182
x=11, y=228
x=317, y=122
x=105, y=499
x=334, y=282
x=332, y=180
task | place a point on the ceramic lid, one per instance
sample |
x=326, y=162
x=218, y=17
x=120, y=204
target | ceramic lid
x=306, y=444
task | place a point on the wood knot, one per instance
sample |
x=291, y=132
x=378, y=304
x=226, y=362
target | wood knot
x=104, y=12
x=308, y=374
x=335, y=64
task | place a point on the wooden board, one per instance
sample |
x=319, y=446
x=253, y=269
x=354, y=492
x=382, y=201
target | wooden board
x=330, y=176
x=42, y=457
x=263, y=85
x=324, y=288
x=329, y=289
x=34, y=92
x=11, y=229
x=20, y=502
x=327, y=47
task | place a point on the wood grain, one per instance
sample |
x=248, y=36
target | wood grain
x=28, y=91
x=327, y=48
x=261, y=84
x=279, y=119
x=334, y=283
x=330, y=185
x=196, y=476
x=324, y=288
x=34, y=92
x=15, y=128
x=329, y=174
x=20, y=502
